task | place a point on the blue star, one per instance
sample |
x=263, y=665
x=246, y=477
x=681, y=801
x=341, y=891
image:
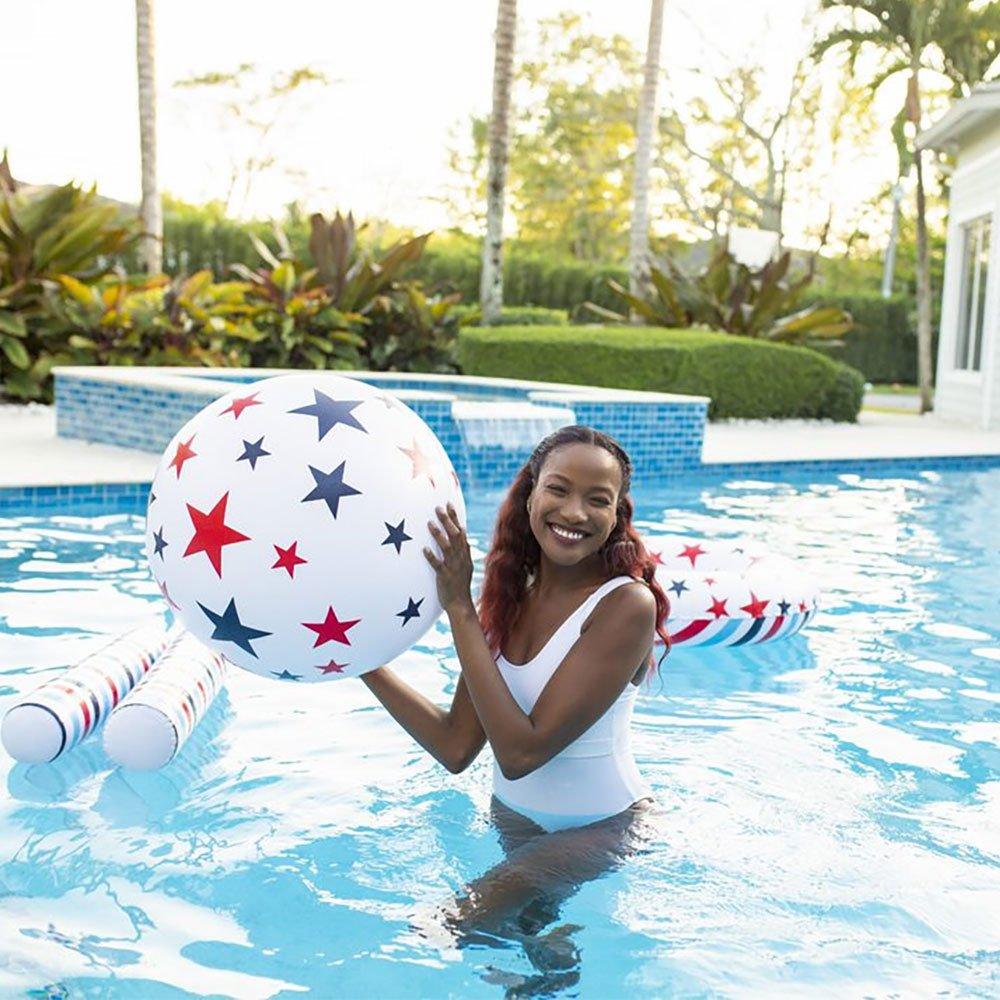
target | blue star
x=330, y=412
x=737, y=551
x=412, y=610
x=251, y=452
x=286, y=676
x=784, y=606
x=152, y=499
x=397, y=536
x=678, y=587
x=330, y=487
x=159, y=542
x=229, y=628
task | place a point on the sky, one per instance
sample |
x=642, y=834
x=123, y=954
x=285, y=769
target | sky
x=406, y=77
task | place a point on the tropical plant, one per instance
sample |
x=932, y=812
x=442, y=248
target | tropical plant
x=918, y=35
x=411, y=331
x=300, y=325
x=727, y=295
x=46, y=233
x=491, y=278
x=352, y=277
x=154, y=321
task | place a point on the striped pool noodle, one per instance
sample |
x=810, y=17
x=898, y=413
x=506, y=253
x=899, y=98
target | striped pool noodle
x=149, y=727
x=65, y=710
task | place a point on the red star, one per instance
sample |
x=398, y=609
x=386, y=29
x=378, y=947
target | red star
x=211, y=533
x=655, y=556
x=331, y=629
x=288, y=559
x=755, y=559
x=183, y=453
x=718, y=607
x=802, y=606
x=710, y=580
x=238, y=405
x=755, y=609
x=166, y=594
x=691, y=552
x=422, y=465
x=333, y=667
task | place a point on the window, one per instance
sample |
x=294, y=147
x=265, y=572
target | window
x=972, y=293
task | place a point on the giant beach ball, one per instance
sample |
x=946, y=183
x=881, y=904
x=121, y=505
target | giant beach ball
x=286, y=525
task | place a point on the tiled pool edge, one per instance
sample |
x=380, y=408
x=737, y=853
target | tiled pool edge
x=143, y=408
x=131, y=497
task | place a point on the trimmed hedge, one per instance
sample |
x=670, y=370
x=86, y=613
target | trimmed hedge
x=743, y=377
x=470, y=315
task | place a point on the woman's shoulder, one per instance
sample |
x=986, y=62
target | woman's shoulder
x=625, y=603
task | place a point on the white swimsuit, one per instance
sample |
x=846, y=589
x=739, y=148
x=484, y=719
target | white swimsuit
x=595, y=776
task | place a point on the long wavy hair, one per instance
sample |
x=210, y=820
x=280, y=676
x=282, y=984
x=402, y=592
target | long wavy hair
x=515, y=553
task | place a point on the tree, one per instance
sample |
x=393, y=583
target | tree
x=151, y=211
x=251, y=108
x=572, y=138
x=491, y=282
x=915, y=36
x=645, y=122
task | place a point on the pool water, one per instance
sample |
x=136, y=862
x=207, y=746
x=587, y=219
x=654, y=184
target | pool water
x=828, y=806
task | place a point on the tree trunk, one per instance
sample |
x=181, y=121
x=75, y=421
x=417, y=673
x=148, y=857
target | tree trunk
x=491, y=281
x=151, y=211
x=925, y=374
x=889, y=266
x=638, y=250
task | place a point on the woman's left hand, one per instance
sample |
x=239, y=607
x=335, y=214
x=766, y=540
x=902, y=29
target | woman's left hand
x=454, y=568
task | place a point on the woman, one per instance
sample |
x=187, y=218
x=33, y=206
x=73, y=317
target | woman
x=550, y=669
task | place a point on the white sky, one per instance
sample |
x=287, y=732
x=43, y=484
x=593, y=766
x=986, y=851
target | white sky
x=409, y=75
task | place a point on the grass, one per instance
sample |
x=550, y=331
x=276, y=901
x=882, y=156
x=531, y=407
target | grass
x=895, y=389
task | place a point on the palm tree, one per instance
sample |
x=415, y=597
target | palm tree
x=912, y=33
x=491, y=282
x=638, y=248
x=150, y=209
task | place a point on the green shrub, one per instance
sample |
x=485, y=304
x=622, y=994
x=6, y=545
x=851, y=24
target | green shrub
x=883, y=343
x=470, y=315
x=743, y=377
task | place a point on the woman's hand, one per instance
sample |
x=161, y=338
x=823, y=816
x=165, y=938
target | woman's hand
x=454, y=568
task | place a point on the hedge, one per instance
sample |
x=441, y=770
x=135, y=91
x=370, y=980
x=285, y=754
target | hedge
x=469, y=314
x=743, y=377
x=883, y=343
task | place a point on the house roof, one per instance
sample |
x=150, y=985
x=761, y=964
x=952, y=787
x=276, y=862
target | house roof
x=963, y=116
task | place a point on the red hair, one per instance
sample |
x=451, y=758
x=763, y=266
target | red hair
x=515, y=553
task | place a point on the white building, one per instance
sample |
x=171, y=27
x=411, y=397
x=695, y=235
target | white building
x=968, y=364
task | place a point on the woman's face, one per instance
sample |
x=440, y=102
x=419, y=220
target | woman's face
x=574, y=502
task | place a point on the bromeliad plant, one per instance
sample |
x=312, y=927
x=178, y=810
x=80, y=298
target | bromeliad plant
x=300, y=324
x=727, y=295
x=347, y=308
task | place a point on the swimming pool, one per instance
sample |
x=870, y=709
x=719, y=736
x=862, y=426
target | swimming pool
x=829, y=805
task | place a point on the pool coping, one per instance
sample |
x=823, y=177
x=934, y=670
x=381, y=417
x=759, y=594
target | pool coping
x=212, y=386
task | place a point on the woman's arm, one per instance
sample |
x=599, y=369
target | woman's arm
x=584, y=686
x=454, y=738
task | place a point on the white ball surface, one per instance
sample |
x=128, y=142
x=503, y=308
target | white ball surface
x=287, y=522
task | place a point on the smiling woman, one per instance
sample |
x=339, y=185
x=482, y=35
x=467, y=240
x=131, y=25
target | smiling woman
x=570, y=594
